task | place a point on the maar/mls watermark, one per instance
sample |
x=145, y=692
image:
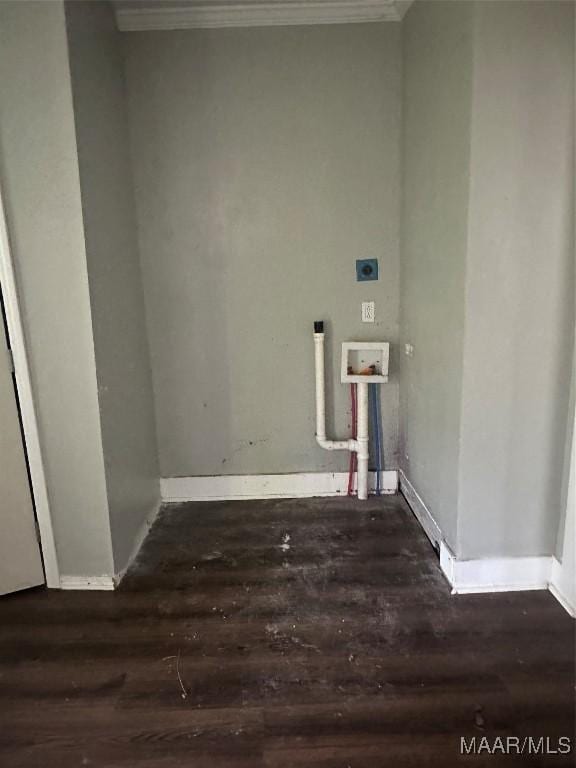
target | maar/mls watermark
x=516, y=745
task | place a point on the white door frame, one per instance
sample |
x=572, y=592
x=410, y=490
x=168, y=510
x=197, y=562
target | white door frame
x=26, y=401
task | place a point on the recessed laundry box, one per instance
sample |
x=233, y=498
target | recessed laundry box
x=365, y=362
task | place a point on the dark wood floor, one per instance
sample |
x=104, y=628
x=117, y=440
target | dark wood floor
x=317, y=634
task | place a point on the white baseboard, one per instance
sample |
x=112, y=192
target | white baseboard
x=138, y=541
x=298, y=485
x=495, y=574
x=108, y=583
x=499, y=574
x=562, y=587
x=420, y=510
x=87, y=582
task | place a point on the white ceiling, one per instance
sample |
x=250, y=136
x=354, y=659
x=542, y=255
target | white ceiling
x=138, y=15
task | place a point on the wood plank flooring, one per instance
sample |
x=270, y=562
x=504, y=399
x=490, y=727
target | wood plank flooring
x=281, y=634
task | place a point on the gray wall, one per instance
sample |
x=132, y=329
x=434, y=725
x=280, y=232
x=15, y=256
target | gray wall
x=520, y=280
x=488, y=269
x=566, y=541
x=437, y=47
x=39, y=173
x=255, y=196
x=266, y=162
x=121, y=346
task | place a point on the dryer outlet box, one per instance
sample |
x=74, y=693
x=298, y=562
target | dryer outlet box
x=366, y=269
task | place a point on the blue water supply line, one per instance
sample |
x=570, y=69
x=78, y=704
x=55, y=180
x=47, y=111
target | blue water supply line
x=377, y=431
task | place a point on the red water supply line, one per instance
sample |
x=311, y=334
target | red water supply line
x=353, y=455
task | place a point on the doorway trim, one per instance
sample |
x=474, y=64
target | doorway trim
x=26, y=401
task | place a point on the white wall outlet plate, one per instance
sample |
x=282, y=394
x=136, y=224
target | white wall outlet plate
x=368, y=311
x=409, y=350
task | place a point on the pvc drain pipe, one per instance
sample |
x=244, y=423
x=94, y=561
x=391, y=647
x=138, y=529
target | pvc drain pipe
x=329, y=445
x=360, y=445
x=362, y=440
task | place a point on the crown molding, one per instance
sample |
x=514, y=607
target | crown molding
x=202, y=14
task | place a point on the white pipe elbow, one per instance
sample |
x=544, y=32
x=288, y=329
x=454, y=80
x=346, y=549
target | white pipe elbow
x=336, y=445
